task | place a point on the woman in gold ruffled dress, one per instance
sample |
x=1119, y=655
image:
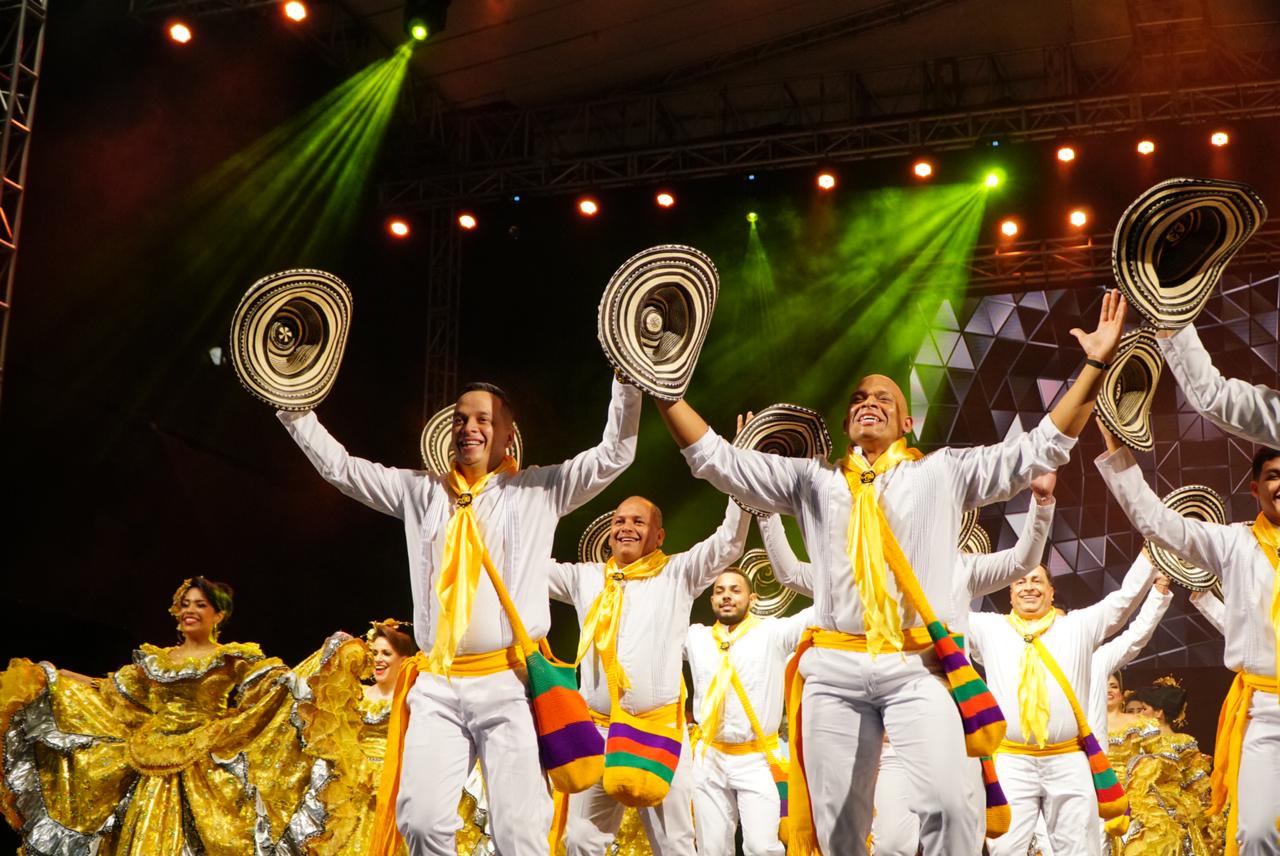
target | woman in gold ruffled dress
x=190, y=749
x=1168, y=783
x=1126, y=732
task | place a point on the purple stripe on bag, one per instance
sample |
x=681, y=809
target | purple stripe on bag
x=573, y=741
x=954, y=661
x=982, y=718
x=645, y=738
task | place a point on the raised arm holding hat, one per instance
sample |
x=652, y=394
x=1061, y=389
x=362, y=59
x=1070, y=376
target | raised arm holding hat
x=906, y=506
x=1244, y=558
x=633, y=610
x=461, y=698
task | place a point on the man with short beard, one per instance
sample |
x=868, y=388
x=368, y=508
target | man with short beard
x=1244, y=557
x=851, y=694
x=633, y=612
x=1041, y=764
x=739, y=662
x=468, y=698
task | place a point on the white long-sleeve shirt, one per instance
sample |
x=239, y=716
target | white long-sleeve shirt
x=1230, y=552
x=1113, y=655
x=1071, y=641
x=1237, y=407
x=517, y=514
x=977, y=574
x=922, y=500
x=655, y=615
x=1211, y=608
x=760, y=659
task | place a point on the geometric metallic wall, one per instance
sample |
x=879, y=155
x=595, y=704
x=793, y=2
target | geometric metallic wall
x=991, y=368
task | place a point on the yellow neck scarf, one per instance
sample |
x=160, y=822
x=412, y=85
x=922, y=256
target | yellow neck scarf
x=460, y=570
x=1033, y=690
x=1269, y=540
x=713, y=702
x=604, y=618
x=866, y=544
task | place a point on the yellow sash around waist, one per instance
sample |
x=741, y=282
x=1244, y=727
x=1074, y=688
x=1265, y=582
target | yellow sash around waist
x=664, y=715
x=1066, y=747
x=914, y=639
x=750, y=747
x=1232, y=722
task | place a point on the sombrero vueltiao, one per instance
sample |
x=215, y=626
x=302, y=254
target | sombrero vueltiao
x=436, y=443
x=784, y=429
x=1129, y=388
x=654, y=316
x=1172, y=243
x=288, y=335
x=593, y=546
x=973, y=538
x=772, y=597
x=1199, y=503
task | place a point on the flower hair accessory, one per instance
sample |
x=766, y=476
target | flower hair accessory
x=385, y=624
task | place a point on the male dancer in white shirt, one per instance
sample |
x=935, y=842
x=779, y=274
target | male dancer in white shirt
x=895, y=830
x=634, y=613
x=1244, y=558
x=464, y=705
x=1041, y=766
x=851, y=697
x=734, y=781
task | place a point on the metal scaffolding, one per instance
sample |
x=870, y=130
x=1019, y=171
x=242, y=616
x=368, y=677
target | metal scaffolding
x=22, y=24
x=444, y=296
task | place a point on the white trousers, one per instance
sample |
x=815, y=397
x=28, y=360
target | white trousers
x=732, y=787
x=594, y=817
x=850, y=701
x=1259, y=787
x=895, y=831
x=451, y=722
x=1060, y=786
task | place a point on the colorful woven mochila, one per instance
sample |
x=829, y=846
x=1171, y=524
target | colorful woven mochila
x=569, y=746
x=641, y=751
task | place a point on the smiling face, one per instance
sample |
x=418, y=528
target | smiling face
x=482, y=431
x=386, y=663
x=731, y=597
x=197, y=616
x=877, y=414
x=1266, y=489
x=1115, y=696
x=1032, y=595
x=1141, y=708
x=636, y=530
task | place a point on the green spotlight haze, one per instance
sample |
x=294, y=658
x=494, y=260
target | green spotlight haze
x=811, y=301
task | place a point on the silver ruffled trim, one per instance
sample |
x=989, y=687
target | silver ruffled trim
x=150, y=664
x=41, y=834
x=376, y=718
x=310, y=818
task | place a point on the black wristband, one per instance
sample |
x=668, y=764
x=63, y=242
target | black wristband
x=1097, y=364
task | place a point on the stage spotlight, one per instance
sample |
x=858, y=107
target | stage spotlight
x=752, y=217
x=751, y=177
x=992, y=179
x=588, y=207
x=1009, y=227
x=922, y=169
x=826, y=180
x=1066, y=154
x=515, y=198
x=1219, y=138
x=179, y=32
x=467, y=221
x=295, y=10
x=1146, y=147
x=397, y=228
x=665, y=199
x=1078, y=218
x=424, y=18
